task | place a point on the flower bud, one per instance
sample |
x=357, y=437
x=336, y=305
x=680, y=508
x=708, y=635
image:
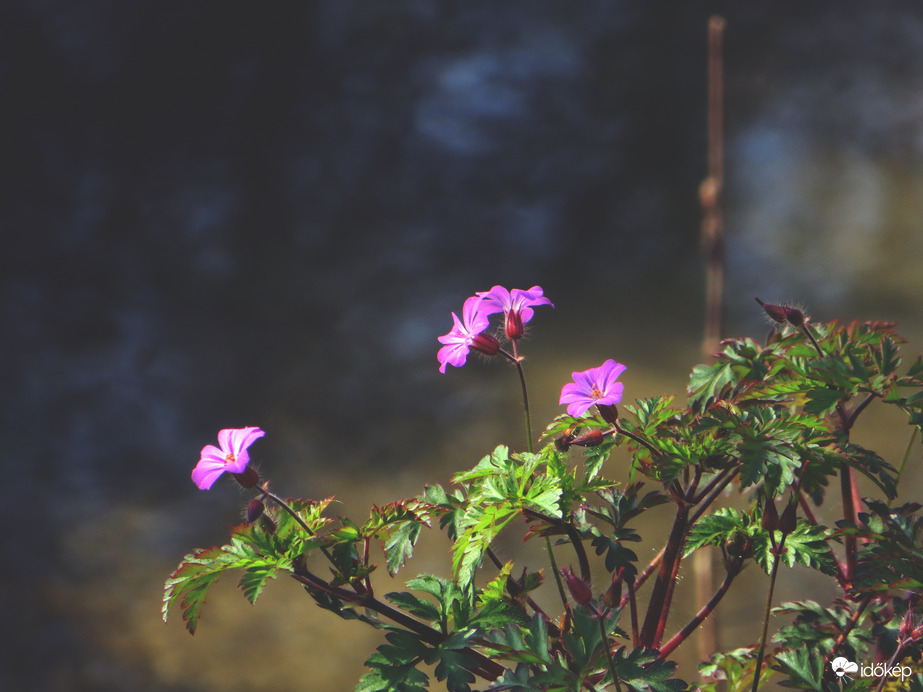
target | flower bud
x=608, y=412
x=578, y=588
x=513, y=325
x=255, y=510
x=613, y=595
x=775, y=312
x=794, y=316
x=770, y=520
x=789, y=518
x=486, y=344
x=267, y=523
x=248, y=478
x=591, y=438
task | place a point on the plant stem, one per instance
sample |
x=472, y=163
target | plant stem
x=633, y=609
x=703, y=613
x=486, y=668
x=853, y=621
x=859, y=409
x=900, y=470
x=608, y=650
x=265, y=492
x=517, y=361
x=847, y=489
x=766, y=615
x=659, y=607
x=557, y=574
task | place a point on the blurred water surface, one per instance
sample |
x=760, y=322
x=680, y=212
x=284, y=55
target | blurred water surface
x=217, y=217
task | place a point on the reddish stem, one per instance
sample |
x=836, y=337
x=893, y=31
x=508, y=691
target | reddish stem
x=633, y=608
x=848, y=491
x=659, y=607
x=705, y=611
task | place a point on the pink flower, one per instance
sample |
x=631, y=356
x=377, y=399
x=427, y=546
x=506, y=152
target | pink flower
x=594, y=386
x=516, y=305
x=465, y=335
x=231, y=457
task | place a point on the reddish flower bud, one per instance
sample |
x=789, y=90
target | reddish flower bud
x=248, y=478
x=514, y=325
x=486, y=344
x=255, y=510
x=770, y=516
x=578, y=588
x=591, y=438
x=608, y=412
x=794, y=316
x=789, y=518
x=613, y=595
x=775, y=312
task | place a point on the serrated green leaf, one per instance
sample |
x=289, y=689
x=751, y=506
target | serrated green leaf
x=415, y=606
x=804, y=668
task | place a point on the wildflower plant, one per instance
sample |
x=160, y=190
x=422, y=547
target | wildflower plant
x=769, y=422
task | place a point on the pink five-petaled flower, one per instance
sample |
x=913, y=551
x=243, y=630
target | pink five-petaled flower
x=516, y=305
x=231, y=457
x=465, y=335
x=594, y=386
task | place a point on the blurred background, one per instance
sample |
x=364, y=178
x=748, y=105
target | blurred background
x=219, y=215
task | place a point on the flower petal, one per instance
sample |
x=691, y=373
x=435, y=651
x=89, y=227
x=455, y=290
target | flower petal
x=475, y=319
x=207, y=472
x=578, y=408
x=242, y=438
x=452, y=354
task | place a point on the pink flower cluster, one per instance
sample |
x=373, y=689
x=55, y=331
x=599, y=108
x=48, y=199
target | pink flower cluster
x=468, y=332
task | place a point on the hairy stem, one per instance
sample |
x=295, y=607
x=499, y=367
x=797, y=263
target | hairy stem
x=847, y=489
x=633, y=610
x=703, y=613
x=517, y=361
x=659, y=606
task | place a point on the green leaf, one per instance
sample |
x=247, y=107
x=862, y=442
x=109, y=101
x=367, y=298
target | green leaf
x=399, y=545
x=717, y=528
x=415, y=606
x=806, y=545
x=642, y=671
x=804, y=668
x=822, y=400
x=254, y=579
x=617, y=556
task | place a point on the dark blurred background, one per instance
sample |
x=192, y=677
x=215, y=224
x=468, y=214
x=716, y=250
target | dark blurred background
x=223, y=214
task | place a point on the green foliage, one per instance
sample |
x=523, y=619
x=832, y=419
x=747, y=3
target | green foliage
x=499, y=488
x=817, y=629
x=259, y=553
x=892, y=556
x=768, y=424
